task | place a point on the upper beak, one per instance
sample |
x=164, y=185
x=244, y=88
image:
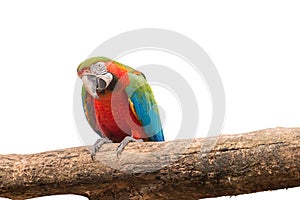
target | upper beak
x=90, y=84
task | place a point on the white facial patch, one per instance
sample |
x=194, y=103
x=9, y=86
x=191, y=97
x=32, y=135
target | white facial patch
x=98, y=68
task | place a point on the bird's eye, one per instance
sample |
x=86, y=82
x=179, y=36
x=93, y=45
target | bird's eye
x=98, y=68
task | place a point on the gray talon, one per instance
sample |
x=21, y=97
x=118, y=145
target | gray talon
x=98, y=144
x=124, y=143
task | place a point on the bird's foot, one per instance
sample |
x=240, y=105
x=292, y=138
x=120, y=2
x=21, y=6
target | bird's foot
x=98, y=144
x=124, y=142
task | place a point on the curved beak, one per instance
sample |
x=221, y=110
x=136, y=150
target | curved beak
x=90, y=84
x=94, y=84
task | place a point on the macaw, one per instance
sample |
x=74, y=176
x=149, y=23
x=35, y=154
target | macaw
x=118, y=103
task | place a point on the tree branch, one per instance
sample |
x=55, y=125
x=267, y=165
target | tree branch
x=183, y=169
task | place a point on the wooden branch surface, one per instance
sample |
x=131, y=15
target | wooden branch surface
x=183, y=169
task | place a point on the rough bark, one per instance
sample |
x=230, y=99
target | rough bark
x=184, y=169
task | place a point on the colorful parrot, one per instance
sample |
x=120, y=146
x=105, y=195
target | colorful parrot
x=118, y=103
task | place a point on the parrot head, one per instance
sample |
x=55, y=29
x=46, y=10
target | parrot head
x=94, y=76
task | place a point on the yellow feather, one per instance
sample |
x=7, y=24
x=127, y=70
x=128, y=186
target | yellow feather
x=132, y=108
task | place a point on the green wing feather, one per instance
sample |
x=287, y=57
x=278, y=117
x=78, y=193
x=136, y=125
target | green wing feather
x=145, y=106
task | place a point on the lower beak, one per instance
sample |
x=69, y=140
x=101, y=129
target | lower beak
x=90, y=84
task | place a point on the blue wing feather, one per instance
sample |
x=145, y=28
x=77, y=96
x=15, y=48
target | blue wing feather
x=145, y=107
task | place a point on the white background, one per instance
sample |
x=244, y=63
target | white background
x=255, y=46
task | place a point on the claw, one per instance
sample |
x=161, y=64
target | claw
x=98, y=144
x=124, y=142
